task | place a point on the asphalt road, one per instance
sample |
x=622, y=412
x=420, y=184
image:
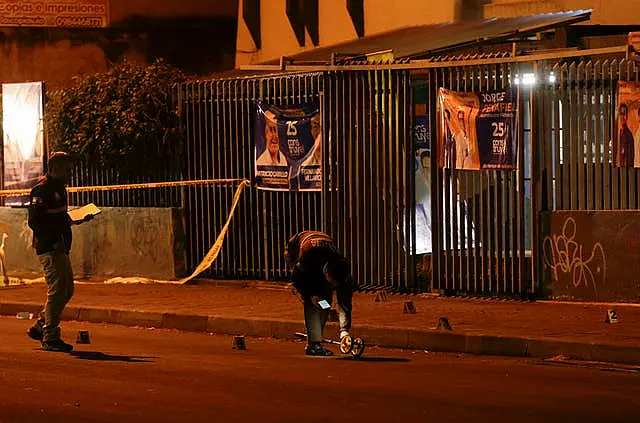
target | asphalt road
x=143, y=375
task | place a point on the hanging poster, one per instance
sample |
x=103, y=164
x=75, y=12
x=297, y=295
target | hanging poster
x=626, y=149
x=288, y=147
x=22, y=109
x=477, y=130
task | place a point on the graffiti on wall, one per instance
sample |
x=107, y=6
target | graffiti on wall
x=4, y=230
x=574, y=263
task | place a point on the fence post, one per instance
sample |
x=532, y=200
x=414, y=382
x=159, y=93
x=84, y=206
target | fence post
x=535, y=182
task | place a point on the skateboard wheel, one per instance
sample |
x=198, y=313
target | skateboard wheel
x=357, y=347
x=346, y=344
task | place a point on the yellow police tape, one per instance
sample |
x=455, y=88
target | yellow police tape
x=215, y=248
x=208, y=259
x=16, y=192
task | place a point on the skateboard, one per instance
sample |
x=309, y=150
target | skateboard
x=354, y=346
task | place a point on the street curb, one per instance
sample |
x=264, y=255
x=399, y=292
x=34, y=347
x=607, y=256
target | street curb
x=433, y=340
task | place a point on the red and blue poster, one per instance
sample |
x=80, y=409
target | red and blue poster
x=288, y=147
x=477, y=130
x=626, y=147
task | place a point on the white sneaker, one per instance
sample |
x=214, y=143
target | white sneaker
x=344, y=333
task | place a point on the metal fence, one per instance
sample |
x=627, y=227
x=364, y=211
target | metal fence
x=479, y=217
x=575, y=121
x=218, y=117
x=367, y=203
x=369, y=175
x=567, y=130
x=365, y=184
x=577, y=124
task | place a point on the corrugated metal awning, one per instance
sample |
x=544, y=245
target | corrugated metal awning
x=425, y=40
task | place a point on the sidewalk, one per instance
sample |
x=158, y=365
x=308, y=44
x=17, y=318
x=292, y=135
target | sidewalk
x=483, y=326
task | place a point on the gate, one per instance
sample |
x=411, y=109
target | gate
x=218, y=118
x=493, y=246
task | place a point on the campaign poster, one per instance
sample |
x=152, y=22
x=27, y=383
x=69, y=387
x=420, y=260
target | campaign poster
x=421, y=122
x=288, y=147
x=22, y=110
x=477, y=130
x=626, y=149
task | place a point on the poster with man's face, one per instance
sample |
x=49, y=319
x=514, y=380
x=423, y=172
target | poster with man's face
x=288, y=150
x=477, y=130
x=626, y=149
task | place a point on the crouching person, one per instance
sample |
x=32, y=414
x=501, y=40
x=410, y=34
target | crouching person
x=319, y=269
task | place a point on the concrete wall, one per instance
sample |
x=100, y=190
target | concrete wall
x=335, y=25
x=123, y=241
x=605, y=12
x=592, y=255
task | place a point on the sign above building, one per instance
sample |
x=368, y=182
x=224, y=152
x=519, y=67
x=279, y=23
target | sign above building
x=55, y=13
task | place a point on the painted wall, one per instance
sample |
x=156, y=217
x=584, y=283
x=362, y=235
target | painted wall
x=588, y=255
x=335, y=25
x=605, y=12
x=124, y=241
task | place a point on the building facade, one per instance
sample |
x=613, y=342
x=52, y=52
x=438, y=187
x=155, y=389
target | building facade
x=268, y=30
x=53, y=41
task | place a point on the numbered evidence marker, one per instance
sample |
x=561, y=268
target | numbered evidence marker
x=443, y=323
x=83, y=337
x=381, y=295
x=238, y=343
x=612, y=317
x=409, y=308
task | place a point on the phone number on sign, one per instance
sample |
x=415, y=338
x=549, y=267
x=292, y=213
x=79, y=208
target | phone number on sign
x=79, y=21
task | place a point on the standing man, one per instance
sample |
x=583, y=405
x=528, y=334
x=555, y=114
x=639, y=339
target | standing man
x=318, y=270
x=51, y=227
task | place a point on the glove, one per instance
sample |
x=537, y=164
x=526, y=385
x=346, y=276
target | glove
x=344, y=333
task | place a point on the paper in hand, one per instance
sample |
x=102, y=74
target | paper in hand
x=324, y=304
x=79, y=214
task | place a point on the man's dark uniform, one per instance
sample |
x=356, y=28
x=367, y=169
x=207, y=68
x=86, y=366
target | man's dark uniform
x=51, y=227
x=313, y=254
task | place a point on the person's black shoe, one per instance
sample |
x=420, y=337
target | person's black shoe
x=57, y=346
x=35, y=334
x=318, y=350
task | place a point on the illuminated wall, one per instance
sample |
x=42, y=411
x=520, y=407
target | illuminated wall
x=278, y=38
x=605, y=12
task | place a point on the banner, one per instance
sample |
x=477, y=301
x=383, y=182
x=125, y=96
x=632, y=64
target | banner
x=477, y=130
x=422, y=168
x=55, y=13
x=288, y=150
x=23, y=138
x=626, y=148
